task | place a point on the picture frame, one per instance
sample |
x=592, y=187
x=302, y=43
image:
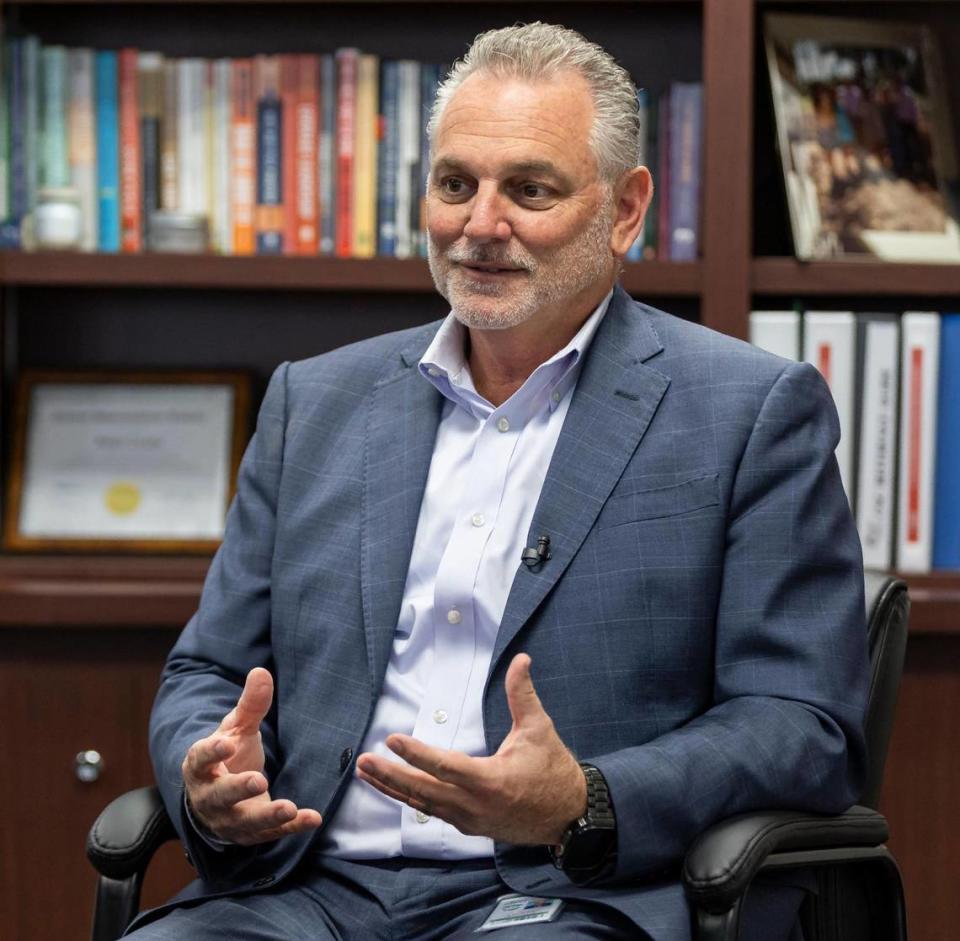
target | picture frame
x=141, y=462
x=865, y=139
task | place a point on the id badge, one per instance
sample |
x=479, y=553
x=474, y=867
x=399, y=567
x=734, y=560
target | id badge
x=521, y=910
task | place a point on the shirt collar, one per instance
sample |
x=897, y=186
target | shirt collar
x=445, y=366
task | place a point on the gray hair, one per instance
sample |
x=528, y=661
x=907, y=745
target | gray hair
x=536, y=52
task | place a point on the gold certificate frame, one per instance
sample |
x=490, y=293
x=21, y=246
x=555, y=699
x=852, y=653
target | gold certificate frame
x=124, y=461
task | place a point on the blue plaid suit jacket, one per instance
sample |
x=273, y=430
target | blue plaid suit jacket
x=698, y=633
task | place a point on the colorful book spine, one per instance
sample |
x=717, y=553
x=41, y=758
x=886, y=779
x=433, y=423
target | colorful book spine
x=365, y=165
x=686, y=118
x=19, y=204
x=388, y=159
x=5, y=85
x=920, y=359
x=327, y=155
x=429, y=82
x=661, y=231
x=244, y=151
x=221, y=228
x=409, y=155
x=289, y=92
x=31, y=118
x=192, y=169
x=829, y=342
x=635, y=252
x=946, y=521
x=150, y=92
x=878, y=368
x=83, y=142
x=269, y=211
x=347, y=63
x=306, y=117
x=55, y=166
x=131, y=171
x=108, y=152
x=169, y=139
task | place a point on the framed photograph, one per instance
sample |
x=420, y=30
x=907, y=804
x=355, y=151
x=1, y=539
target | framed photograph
x=142, y=462
x=869, y=158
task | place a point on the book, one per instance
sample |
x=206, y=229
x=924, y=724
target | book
x=31, y=119
x=650, y=222
x=289, y=93
x=305, y=195
x=829, y=342
x=327, y=155
x=5, y=141
x=55, y=165
x=878, y=369
x=661, y=245
x=635, y=252
x=131, y=170
x=388, y=159
x=776, y=331
x=169, y=139
x=150, y=92
x=946, y=503
x=83, y=142
x=408, y=155
x=347, y=62
x=221, y=196
x=192, y=132
x=268, y=216
x=430, y=74
x=365, y=159
x=19, y=206
x=686, y=118
x=108, y=151
x=244, y=161
x=919, y=363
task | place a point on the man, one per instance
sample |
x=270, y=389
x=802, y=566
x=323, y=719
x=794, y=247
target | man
x=555, y=482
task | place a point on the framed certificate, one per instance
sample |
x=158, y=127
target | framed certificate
x=142, y=462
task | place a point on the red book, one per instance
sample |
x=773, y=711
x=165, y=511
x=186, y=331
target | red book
x=289, y=91
x=244, y=146
x=131, y=180
x=306, y=133
x=347, y=61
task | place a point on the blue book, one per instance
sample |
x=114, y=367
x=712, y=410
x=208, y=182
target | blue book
x=19, y=206
x=946, y=492
x=269, y=170
x=429, y=80
x=389, y=160
x=686, y=119
x=108, y=150
x=326, y=155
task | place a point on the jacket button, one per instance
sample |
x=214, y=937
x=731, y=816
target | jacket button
x=346, y=756
x=266, y=880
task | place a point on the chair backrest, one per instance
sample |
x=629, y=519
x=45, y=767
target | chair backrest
x=888, y=611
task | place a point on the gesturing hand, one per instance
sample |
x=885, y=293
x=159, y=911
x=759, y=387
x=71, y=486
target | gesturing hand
x=223, y=774
x=527, y=793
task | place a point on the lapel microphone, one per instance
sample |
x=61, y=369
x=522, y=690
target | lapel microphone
x=533, y=557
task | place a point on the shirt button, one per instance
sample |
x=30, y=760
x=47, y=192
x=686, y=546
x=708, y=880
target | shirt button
x=503, y=424
x=422, y=817
x=439, y=717
x=478, y=519
x=555, y=396
x=433, y=371
x=454, y=616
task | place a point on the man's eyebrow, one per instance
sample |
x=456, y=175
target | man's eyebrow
x=533, y=167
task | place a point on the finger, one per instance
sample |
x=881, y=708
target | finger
x=398, y=796
x=205, y=756
x=228, y=790
x=405, y=781
x=260, y=822
x=253, y=704
x=522, y=698
x=444, y=765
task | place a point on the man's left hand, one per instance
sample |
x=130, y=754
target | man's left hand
x=527, y=793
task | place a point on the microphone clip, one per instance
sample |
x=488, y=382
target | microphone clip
x=531, y=558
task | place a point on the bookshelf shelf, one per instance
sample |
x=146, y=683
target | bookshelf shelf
x=782, y=276
x=61, y=269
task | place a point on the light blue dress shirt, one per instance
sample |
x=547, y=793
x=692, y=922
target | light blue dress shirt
x=485, y=479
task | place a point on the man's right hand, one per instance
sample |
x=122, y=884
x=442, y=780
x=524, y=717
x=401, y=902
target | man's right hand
x=223, y=773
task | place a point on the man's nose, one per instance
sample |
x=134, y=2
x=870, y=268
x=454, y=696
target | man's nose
x=487, y=221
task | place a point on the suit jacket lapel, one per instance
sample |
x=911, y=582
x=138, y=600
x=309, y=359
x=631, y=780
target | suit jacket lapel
x=401, y=429
x=615, y=399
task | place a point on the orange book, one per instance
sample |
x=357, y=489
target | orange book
x=307, y=157
x=131, y=179
x=244, y=145
x=347, y=65
x=289, y=91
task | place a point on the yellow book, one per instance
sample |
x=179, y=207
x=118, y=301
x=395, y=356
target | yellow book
x=365, y=160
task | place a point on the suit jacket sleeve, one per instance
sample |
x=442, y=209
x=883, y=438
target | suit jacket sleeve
x=229, y=634
x=785, y=725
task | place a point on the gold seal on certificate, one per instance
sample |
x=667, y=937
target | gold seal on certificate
x=141, y=461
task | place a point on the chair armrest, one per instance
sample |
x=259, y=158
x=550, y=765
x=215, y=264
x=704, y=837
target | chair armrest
x=724, y=859
x=128, y=832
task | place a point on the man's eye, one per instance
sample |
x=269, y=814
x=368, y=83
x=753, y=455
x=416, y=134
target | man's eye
x=453, y=186
x=533, y=191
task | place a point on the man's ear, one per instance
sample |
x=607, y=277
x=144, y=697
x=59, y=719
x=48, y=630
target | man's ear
x=632, y=197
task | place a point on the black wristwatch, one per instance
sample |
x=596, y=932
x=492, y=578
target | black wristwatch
x=588, y=848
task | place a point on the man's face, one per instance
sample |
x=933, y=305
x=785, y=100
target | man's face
x=519, y=222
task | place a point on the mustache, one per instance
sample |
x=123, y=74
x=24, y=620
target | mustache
x=488, y=255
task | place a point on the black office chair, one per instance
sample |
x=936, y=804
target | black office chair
x=860, y=891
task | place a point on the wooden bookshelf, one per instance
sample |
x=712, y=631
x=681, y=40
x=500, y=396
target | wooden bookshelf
x=787, y=276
